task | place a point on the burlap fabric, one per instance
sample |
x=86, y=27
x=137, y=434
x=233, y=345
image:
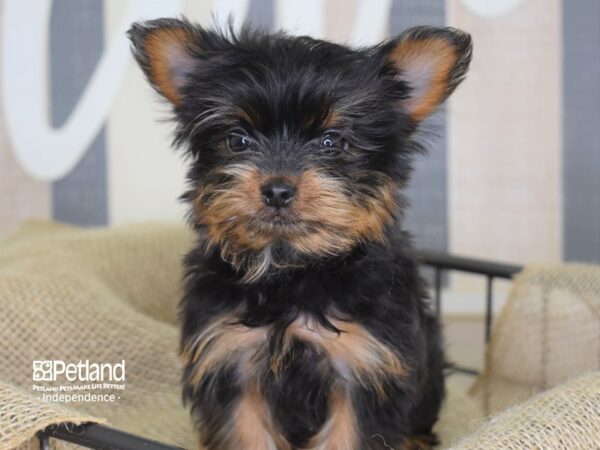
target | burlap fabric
x=547, y=333
x=566, y=417
x=22, y=415
x=103, y=296
x=109, y=295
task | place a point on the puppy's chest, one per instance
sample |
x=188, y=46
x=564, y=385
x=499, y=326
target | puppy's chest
x=353, y=353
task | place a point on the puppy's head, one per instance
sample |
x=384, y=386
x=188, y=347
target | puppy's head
x=298, y=147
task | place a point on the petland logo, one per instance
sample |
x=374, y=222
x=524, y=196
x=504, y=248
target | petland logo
x=82, y=371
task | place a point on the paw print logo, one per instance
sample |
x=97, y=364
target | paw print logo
x=42, y=371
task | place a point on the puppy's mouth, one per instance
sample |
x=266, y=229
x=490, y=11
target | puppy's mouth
x=277, y=219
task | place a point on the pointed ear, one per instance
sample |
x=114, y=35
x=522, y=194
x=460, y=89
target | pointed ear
x=432, y=62
x=167, y=50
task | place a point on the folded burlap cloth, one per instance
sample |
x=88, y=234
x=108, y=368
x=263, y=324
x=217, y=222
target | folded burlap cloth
x=110, y=295
x=546, y=336
x=98, y=295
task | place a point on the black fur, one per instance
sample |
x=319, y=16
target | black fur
x=287, y=88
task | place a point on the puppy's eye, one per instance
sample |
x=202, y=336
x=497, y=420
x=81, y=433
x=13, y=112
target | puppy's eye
x=333, y=141
x=237, y=141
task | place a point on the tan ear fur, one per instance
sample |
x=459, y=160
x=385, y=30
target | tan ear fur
x=167, y=51
x=432, y=62
x=166, y=48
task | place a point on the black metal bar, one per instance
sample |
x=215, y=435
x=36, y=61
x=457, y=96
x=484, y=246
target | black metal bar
x=44, y=441
x=103, y=438
x=471, y=265
x=438, y=291
x=442, y=261
x=489, y=306
x=465, y=370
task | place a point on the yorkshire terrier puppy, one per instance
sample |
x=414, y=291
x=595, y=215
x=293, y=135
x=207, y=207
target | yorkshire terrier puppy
x=305, y=323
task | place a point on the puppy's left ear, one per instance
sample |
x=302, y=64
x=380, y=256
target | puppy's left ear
x=432, y=62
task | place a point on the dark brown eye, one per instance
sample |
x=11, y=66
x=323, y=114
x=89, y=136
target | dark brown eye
x=238, y=141
x=332, y=141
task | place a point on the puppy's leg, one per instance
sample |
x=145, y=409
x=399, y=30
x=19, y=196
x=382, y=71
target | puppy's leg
x=252, y=423
x=340, y=430
x=364, y=369
x=223, y=363
x=231, y=413
x=430, y=392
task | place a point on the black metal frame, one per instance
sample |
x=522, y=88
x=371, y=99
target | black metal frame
x=99, y=437
x=105, y=438
x=441, y=262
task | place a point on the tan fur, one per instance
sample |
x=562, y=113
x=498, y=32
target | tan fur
x=227, y=210
x=325, y=218
x=227, y=342
x=435, y=55
x=223, y=342
x=253, y=426
x=356, y=355
x=354, y=352
x=340, y=430
x=342, y=218
x=229, y=214
x=246, y=117
x=332, y=120
x=159, y=44
x=418, y=442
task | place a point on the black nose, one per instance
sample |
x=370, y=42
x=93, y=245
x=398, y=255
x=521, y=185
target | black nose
x=277, y=194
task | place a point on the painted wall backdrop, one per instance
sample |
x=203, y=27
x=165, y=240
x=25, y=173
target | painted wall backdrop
x=513, y=175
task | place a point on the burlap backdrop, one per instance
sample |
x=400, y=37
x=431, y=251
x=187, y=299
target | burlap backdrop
x=109, y=295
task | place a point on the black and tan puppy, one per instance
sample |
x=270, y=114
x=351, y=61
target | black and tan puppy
x=305, y=324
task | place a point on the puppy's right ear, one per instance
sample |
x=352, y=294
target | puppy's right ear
x=168, y=51
x=432, y=62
